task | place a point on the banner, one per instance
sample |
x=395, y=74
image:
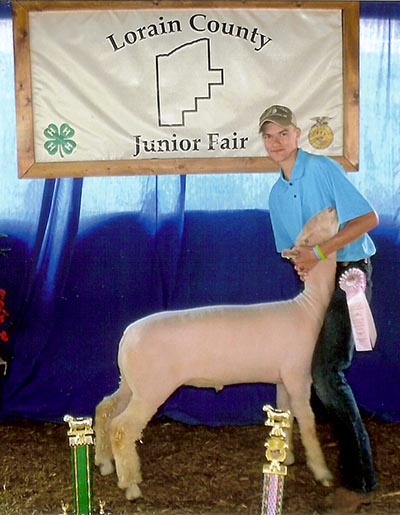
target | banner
x=160, y=84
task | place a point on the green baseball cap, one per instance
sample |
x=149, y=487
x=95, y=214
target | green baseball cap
x=280, y=115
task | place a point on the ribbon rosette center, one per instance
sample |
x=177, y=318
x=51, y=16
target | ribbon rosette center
x=353, y=281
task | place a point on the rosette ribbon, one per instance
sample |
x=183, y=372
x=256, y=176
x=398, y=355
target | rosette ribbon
x=353, y=283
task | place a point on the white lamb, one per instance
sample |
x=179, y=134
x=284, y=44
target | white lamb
x=216, y=346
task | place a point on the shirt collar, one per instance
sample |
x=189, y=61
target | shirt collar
x=298, y=168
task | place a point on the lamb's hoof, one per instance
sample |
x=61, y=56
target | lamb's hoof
x=133, y=492
x=107, y=468
x=326, y=479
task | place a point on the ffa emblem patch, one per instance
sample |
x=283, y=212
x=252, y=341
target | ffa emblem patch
x=320, y=135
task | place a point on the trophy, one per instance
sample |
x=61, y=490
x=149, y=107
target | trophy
x=81, y=441
x=275, y=470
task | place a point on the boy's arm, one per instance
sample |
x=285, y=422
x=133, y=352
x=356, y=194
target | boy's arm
x=350, y=232
x=306, y=259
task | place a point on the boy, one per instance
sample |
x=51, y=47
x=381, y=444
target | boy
x=307, y=184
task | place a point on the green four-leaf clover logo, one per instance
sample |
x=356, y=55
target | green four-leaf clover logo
x=59, y=139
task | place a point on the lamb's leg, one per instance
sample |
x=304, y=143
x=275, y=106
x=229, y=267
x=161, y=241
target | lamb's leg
x=107, y=409
x=305, y=417
x=282, y=403
x=125, y=430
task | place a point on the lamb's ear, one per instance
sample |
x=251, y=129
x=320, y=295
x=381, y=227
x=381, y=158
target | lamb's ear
x=289, y=253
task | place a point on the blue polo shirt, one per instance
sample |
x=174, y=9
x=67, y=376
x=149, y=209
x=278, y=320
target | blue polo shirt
x=317, y=182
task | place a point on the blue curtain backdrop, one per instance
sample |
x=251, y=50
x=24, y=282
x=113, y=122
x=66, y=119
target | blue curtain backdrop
x=88, y=256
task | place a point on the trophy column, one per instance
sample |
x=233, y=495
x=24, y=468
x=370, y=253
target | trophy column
x=275, y=471
x=81, y=440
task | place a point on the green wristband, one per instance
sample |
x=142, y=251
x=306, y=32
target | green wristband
x=318, y=252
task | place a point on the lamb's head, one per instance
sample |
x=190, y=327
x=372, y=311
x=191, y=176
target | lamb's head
x=320, y=228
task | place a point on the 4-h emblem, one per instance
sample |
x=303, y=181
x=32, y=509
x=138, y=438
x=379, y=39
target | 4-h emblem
x=59, y=139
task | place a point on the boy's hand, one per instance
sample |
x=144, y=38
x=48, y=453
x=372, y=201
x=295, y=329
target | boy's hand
x=304, y=260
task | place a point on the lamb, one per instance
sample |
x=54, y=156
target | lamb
x=216, y=346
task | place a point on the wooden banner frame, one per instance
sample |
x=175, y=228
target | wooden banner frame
x=29, y=168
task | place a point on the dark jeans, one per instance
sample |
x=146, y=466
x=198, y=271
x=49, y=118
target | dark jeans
x=332, y=356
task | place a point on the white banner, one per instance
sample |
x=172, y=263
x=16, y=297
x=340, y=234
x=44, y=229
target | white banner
x=178, y=83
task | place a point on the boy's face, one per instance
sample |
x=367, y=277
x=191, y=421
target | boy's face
x=280, y=142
